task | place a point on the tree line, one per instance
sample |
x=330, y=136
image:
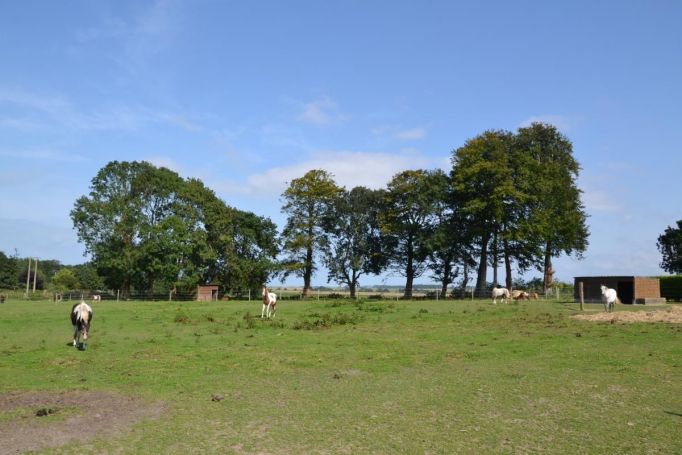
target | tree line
x=508, y=198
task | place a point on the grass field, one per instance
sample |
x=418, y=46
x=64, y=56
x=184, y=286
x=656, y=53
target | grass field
x=357, y=377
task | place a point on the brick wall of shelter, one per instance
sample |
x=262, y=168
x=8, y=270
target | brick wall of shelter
x=647, y=288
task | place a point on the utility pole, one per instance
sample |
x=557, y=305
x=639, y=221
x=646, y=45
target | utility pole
x=35, y=276
x=28, y=276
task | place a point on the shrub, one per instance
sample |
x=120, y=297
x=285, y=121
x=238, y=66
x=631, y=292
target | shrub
x=671, y=287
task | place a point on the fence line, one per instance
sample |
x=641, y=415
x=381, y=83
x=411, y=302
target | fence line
x=283, y=293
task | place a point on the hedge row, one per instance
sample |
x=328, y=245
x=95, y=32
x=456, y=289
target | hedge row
x=671, y=287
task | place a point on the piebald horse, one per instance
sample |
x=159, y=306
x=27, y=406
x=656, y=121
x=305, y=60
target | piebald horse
x=500, y=292
x=81, y=317
x=269, y=303
x=609, y=298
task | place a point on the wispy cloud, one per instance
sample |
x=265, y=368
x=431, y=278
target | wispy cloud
x=562, y=122
x=165, y=161
x=321, y=112
x=403, y=134
x=43, y=155
x=600, y=201
x=37, y=111
x=150, y=31
x=412, y=134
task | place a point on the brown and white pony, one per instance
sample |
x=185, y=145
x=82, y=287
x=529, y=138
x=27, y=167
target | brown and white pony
x=81, y=317
x=520, y=295
x=269, y=303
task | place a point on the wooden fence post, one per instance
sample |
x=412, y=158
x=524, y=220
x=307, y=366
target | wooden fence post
x=582, y=296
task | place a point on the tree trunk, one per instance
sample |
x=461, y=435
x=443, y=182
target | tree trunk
x=482, y=266
x=465, y=278
x=409, y=274
x=307, y=271
x=495, y=259
x=507, y=266
x=549, y=271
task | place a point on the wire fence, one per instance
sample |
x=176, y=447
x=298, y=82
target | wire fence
x=283, y=293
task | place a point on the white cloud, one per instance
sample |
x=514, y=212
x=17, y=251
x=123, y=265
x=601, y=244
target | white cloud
x=38, y=111
x=164, y=161
x=411, y=134
x=562, y=122
x=43, y=155
x=350, y=169
x=321, y=112
x=600, y=201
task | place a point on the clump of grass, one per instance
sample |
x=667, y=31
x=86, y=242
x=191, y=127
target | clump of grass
x=326, y=321
x=378, y=307
x=250, y=320
x=181, y=317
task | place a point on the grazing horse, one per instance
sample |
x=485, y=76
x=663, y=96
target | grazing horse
x=96, y=298
x=608, y=297
x=81, y=317
x=269, y=303
x=533, y=295
x=500, y=292
x=520, y=295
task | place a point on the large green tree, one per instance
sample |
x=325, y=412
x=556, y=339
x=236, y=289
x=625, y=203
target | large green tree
x=450, y=241
x=557, y=210
x=353, y=245
x=8, y=272
x=409, y=219
x=670, y=245
x=65, y=280
x=483, y=182
x=307, y=200
x=148, y=229
x=123, y=220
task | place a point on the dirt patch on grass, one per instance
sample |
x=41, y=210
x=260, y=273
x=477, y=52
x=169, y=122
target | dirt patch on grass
x=38, y=420
x=672, y=315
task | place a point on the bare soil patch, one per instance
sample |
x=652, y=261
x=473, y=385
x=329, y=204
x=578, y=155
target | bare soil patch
x=671, y=315
x=37, y=420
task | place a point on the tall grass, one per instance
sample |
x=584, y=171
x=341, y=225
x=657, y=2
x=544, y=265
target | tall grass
x=361, y=376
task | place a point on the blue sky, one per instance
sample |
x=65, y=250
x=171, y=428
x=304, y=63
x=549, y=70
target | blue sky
x=249, y=95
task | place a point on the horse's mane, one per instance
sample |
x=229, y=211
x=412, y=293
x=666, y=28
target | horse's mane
x=83, y=311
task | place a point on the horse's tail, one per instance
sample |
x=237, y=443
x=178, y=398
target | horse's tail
x=618, y=302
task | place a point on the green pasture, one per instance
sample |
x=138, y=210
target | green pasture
x=360, y=377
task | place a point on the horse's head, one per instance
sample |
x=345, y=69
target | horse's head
x=85, y=329
x=603, y=289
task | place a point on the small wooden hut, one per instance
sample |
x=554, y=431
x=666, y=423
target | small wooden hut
x=207, y=292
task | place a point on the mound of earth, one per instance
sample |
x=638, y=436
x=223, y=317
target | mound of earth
x=38, y=420
x=672, y=315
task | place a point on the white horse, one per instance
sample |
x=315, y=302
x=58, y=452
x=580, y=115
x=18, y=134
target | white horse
x=608, y=297
x=81, y=317
x=500, y=292
x=269, y=303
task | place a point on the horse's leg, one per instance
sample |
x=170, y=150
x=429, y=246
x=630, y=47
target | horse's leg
x=75, y=335
x=262, y=311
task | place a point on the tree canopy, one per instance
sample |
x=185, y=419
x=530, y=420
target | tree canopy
x=147, y=228
x=670, y=245
x=307, y=200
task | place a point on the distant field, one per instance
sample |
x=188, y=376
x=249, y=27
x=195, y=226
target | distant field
x=339, y=376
